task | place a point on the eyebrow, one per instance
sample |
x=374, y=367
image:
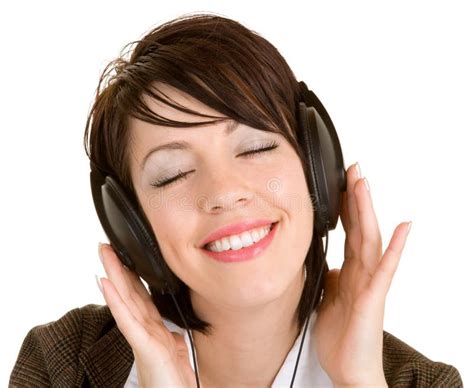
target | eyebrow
x=184, y=145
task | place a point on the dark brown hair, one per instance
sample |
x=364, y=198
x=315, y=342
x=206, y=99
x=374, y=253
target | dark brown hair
x=224, y=65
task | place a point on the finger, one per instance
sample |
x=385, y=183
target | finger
x=119, y=276
x=128, y=285
x=134, y=279
x=345, y=213
x=349, y=213
x=352, y=177
x=383, y=276
x=129, y=326
x=371, y=239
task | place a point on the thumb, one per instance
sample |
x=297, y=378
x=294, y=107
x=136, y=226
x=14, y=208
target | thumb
x=181, y=347
x=183, y=358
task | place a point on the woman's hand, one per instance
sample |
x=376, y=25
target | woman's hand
x=349, y=323
x=161, y=356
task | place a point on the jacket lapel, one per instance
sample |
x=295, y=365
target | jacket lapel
x=108, y=361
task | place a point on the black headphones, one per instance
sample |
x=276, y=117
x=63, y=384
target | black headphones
x=132, y=237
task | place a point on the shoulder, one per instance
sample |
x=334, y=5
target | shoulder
x=406, y=367
x=72, y=328
x=50, y=351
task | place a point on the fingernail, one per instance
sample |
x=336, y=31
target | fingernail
x=409, y=227
x=366, y=183
x=359, y=174
x=99, y=284
x=100, y=253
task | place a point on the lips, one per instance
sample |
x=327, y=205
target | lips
x=246, y=253
x=235, y=228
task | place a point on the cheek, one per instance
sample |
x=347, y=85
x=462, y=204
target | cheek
x=169, y=220
x=294, y=200
x=291, y=192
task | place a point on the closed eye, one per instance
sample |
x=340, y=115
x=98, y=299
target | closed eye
x=167, y=181
x=252, y=152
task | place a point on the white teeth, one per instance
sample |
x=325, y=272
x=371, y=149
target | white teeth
x=242, y=240
x=225, y=244
x=255, y=236
x=246, y=239
x=235, y=243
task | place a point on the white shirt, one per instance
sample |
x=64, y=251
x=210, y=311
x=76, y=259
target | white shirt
x=309, y=373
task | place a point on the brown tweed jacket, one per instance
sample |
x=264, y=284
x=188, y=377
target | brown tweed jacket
x=84, y=348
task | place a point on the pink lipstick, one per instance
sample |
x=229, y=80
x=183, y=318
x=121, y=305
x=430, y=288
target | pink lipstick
x=245, y=253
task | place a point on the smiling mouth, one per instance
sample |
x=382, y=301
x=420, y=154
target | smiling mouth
x=206, y=246
x=245, y=253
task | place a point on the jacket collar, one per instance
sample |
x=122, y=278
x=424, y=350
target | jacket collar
x=108, y=361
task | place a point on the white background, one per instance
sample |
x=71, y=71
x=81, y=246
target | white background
x=397, y=80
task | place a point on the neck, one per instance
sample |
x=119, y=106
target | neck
x=247, y=346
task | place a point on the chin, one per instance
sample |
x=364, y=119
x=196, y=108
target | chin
x=255, y=291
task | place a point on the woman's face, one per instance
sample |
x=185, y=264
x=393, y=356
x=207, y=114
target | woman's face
x=223, y=188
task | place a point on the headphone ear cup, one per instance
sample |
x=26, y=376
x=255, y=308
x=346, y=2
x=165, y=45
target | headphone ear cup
x=322, y=149
x=130, y=234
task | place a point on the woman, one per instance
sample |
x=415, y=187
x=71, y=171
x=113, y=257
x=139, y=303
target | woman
x=227, y=102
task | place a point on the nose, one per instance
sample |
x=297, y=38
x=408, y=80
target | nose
x=224, y=189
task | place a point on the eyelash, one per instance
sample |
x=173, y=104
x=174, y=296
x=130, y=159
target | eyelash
x=252, y=152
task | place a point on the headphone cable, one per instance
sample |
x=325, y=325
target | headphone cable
x=311, y=309
x=190, y=340
x=304, y=331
